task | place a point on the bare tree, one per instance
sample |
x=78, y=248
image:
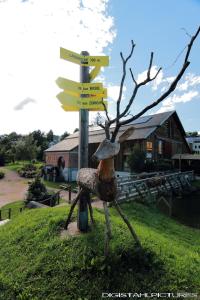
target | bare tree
x=102, y=181
x=119, y=119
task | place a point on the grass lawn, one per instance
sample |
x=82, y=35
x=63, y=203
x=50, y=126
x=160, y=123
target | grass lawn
x=35, y=263
x=56, y=185
x=18, y=164
x=15, y=209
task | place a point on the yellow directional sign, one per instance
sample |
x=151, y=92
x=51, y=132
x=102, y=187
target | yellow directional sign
x=83, y=60
x=80, y=88
x=89, y=96
x=94, y=72
x=67, y=99
x=98, y=107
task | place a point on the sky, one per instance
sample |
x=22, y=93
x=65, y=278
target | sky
x=32, y=32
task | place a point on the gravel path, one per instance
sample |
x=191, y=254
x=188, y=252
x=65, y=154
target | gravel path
x=12, y=187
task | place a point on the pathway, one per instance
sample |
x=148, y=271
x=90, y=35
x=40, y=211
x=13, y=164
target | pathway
x=12, y=187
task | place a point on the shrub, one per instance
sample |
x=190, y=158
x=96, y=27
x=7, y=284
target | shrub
x=37, y=192
x=2, y=174
x=28, y=171
x=164, y=165
x=136, y=160
x=149, y=166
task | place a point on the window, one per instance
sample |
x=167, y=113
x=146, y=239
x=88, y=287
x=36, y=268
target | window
x=149, y=146
x=160, y=147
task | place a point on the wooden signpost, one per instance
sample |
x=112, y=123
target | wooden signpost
x=83, y=96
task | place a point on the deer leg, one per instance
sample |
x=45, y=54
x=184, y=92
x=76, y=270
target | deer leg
x=72, y=209
x=108, y=234
x=125, y=219
x=82, y=221
x=90, y=209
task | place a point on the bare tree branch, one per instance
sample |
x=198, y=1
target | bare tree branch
x=133, y=76
x=124, y=61
x=150, y=66
x=147, y=80
x=106, y=111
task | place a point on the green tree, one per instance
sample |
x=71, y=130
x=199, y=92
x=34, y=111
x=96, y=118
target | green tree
x=26, y=148
x=7, y=147
x=64, y=135
x=50, y=136
x=192, y=133
x=41, y=141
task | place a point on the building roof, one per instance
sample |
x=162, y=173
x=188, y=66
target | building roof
x=144, y=126
x=193, y=139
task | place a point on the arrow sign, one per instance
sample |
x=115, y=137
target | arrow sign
x=67, y=99
x=94, y=72
x=88, y=96
x=80, y=88
x=83, y=60
x=98, y=107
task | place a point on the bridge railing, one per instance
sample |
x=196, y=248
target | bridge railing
x=130, y=188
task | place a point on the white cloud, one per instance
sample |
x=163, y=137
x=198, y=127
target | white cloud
x=143, y=75
x=185, y=91
x=113, y=92
x=31, y=33
x=190, y=80
x=170, y=102
x=23, y=103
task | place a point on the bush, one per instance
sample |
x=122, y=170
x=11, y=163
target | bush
x=164, y=165
x=2, y=174
x=136, y=160
x=150, y=166
x=37, y=192
x=28, y=171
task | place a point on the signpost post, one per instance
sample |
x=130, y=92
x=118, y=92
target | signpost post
x=83, y=96
x=82, y=223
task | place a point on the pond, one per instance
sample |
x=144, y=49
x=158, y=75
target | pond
x=186, y=209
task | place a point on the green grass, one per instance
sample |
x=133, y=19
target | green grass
x=35, y=263
x=18, y=164
x=15, y=209
x=56, y=185
x=196, y=183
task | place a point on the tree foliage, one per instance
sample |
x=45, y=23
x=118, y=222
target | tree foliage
x=192, y=133
x=64, y=135
x=26, y=148
x=136, y=160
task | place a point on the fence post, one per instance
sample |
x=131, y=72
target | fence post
x=70, y=193
x=9, y=213
x=0, y=216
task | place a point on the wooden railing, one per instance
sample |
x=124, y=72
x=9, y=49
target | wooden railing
x=7, y=213
x=129, y=188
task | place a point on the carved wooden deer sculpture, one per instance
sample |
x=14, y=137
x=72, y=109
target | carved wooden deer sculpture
x=103, y=183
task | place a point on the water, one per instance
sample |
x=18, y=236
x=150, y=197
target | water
x=186, y=209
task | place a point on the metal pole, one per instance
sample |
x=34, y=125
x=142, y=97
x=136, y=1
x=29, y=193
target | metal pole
x=82, y=222
x=83, y=122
